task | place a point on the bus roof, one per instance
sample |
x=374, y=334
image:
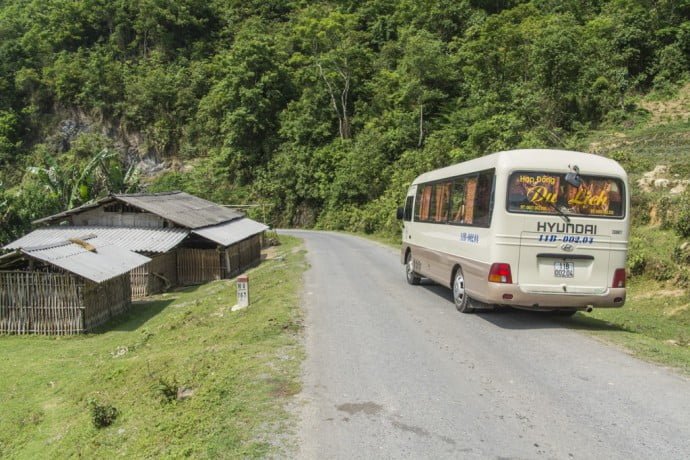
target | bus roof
x=546, y=160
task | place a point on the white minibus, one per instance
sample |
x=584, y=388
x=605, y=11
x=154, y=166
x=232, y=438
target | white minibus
x=537, y=229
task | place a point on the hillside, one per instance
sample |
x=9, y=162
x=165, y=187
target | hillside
x=322, y=112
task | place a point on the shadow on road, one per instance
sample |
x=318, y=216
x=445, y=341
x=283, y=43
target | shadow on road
x=510, y=318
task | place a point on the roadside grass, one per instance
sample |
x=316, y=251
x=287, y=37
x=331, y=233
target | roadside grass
x=187, y=377
x=654, y=324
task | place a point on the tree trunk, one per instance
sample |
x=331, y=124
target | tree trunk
x=340, y=109
x=421, y=125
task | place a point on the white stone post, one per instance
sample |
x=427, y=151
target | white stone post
x=242, y=284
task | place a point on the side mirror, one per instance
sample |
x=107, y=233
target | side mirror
x=400, y=213
x=573, y=177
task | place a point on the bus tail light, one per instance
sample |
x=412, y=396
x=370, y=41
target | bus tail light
x=500, y=273
x=619, y=278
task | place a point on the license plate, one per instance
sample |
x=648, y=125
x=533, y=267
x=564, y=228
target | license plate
x=564, y=269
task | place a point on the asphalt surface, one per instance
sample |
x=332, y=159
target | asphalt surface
x=394, y=371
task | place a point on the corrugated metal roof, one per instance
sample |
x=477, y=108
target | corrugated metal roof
x=179, y=207
x=61, y=215
x=133, y=239
x=231, y=232
x=106, y=262
x=182, y=208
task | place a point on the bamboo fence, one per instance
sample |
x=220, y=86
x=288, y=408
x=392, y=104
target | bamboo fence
x=105, y=300
x=58, y=303
x=139, y=280
x=196, y=266
x=154, y=277
x=40, y=303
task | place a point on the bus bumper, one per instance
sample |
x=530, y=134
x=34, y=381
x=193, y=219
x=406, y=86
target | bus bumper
x=548, y=297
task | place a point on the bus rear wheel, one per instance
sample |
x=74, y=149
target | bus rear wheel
x=410, y=275
x=462, y=301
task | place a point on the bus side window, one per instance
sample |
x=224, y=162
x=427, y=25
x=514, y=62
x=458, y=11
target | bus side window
x=441, y=197
x=457, y=201
x=470, y=197
x=482, y=207
x=421, y=209
x=431, y=214
x=407, y=214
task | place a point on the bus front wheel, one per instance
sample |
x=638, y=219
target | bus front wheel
x=460, y=297
x=412, y=277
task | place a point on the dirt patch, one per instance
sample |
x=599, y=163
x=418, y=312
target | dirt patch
x=664, y=112
x=677, y=310
x=269, y=253
x=281, y=388
x=661, y=293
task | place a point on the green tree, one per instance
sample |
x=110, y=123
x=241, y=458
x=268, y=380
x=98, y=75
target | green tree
x=330, y=48
x=9, y=139
x=239, y=115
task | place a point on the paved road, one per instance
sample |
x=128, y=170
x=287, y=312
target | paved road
x=394, y=371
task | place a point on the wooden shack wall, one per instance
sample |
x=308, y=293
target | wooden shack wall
x=240, y=256
x=144, y=279
x=139, y=280
x=40, y=303
x=196, y=266
x=103, y=301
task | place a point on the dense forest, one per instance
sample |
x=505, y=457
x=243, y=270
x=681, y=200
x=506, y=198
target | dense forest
x=321, y=112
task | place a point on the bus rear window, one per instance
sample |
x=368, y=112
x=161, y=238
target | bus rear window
x=540, y=193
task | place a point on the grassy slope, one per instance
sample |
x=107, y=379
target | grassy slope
x=661, y=135
x=241, y=367
x=655, y=322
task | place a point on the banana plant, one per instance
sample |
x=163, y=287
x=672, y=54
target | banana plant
x=77, y=185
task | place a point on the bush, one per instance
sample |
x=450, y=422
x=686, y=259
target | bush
x=102, y=415
x=640, y=205
x=636, y=264
x=682, y=221
x=166, y=389
x=660, y=270
x=665, y=212
x=637, y=259
x=682, y=279
x=631, y=163
x=681, y=254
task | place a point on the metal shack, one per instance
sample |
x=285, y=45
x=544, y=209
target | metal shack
x=219, y=243
x=156, y=243
x=67, y=287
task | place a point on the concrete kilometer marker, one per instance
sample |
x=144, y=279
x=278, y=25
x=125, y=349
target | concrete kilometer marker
x=242, y=284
